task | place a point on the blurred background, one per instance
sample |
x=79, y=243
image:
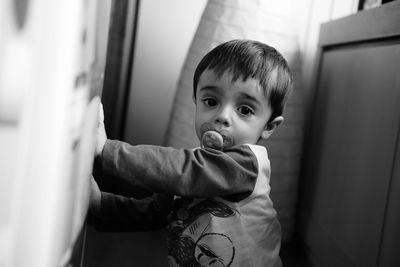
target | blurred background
x=335, y=159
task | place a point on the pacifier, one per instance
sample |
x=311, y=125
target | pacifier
x=212, y=139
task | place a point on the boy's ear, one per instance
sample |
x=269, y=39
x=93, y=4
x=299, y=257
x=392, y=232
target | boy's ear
x=270, y=127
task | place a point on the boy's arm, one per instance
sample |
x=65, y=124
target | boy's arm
x=119, y=213
x=95, y=198
x=191, y=173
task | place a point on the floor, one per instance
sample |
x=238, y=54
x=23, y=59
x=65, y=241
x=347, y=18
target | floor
x=293, y=255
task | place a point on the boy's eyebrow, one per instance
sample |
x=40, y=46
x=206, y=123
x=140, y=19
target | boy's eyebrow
x=209, y=87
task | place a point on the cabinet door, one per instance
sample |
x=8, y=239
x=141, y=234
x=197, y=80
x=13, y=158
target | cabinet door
x=352, y=152
x=390, y=255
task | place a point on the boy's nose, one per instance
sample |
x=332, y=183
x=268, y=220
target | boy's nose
x=224, y=117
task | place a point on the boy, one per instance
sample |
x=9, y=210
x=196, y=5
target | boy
x=214, y=199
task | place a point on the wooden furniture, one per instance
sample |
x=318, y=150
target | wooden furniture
x=350, y=196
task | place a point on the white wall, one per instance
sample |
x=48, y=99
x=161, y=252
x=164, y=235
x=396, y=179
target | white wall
x=165, y=30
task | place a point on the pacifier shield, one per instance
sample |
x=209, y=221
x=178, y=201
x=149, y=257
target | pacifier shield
x=212, y=139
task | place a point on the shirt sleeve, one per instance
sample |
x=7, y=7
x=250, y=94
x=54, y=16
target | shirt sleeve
x=198, y=173
x=120, y=213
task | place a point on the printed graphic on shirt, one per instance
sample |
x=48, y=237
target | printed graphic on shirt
x=191, y=242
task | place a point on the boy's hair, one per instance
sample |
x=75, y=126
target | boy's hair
x=251, y=59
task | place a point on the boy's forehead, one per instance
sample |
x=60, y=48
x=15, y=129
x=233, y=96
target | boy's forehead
x=209, y=81
x=209, y=76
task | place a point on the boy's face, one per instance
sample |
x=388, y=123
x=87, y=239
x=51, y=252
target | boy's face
x=238, y=110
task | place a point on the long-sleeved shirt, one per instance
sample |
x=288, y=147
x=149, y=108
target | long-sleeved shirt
x=216, y=203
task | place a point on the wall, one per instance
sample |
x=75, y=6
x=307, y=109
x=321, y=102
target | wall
x=165, y=30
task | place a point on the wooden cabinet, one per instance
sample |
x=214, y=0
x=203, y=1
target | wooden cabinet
x=350, y=204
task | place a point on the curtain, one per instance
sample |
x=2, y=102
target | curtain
x=271, y=22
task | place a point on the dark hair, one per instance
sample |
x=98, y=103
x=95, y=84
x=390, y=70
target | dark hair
x=247, y=58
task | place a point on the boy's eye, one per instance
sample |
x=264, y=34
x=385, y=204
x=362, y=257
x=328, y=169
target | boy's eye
x=210, y=102
x=245, y=110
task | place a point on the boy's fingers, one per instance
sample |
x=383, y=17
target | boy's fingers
x=101, y=113
x=101, y=132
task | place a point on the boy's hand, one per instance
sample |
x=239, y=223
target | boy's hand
x=95, y=197
x=101, y=132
